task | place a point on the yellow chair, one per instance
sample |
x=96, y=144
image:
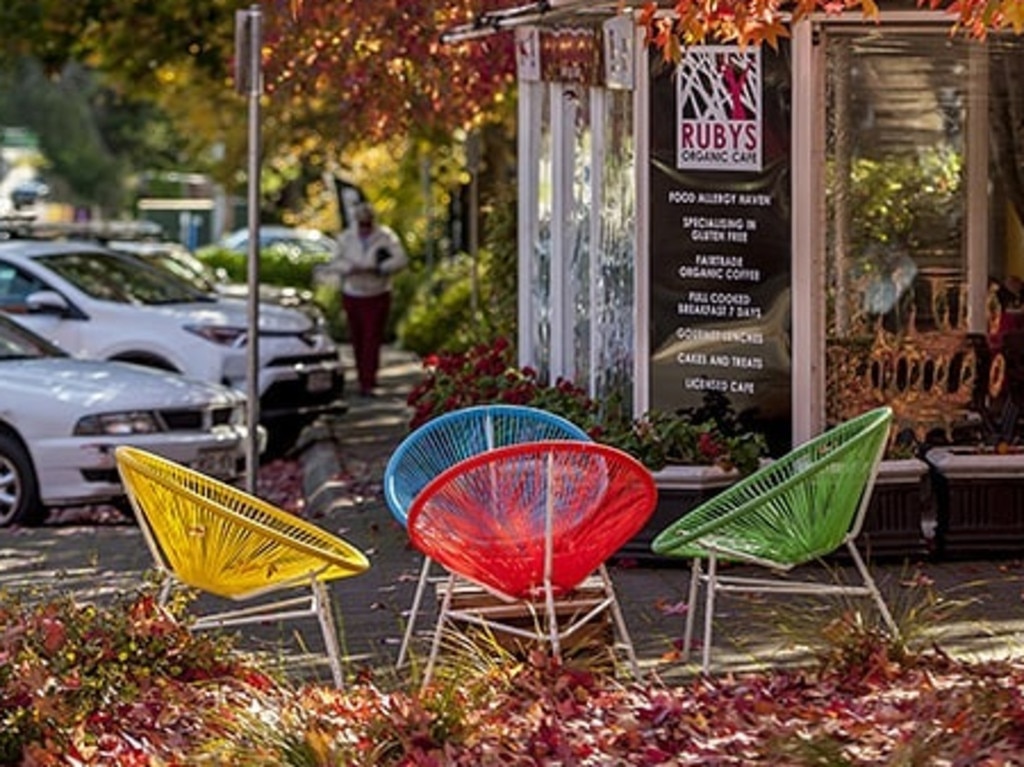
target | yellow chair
x=218, y=539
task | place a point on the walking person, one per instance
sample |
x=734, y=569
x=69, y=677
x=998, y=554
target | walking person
x=368, y=255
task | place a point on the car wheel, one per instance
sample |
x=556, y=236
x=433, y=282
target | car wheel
x=19, y=493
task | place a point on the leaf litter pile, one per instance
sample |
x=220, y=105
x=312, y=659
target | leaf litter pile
x=930, y=711
x=927, y=710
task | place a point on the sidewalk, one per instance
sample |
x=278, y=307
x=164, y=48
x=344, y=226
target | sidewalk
x=748, y=632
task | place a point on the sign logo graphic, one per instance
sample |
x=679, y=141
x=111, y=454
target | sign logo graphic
x=719, y=99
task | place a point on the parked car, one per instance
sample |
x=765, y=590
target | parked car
x=305, y=243
x=177, y=259
x=98, y=303
x=62, y=417
x=28, y=193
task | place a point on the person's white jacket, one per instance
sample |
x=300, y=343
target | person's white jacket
x=365, y=265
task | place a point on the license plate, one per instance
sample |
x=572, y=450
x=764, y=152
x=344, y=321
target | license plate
x=319, y=380
x=216, y=463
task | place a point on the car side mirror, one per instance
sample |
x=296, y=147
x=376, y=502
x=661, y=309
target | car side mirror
x=47, y=302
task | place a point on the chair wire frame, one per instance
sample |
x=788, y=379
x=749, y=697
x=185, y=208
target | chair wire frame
x=443, y=442
x=213, y=537
x=529, y=523
x=794, y=510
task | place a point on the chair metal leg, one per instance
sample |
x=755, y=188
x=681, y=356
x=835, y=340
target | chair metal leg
x=435, y=644
x=552, y=621
x=709, y=612
x=165, y=589
x=620, y=622
x=872, y=587
x=413, y=612
x=322, y=603
x=691, y=606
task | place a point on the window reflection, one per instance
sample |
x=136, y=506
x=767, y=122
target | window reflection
x=899, y=326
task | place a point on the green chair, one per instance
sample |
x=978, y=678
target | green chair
x=792, y=511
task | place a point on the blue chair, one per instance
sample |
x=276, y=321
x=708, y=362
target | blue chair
x=448, y=440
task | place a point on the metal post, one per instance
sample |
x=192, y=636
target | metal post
x=473, y=165
x=249, y=38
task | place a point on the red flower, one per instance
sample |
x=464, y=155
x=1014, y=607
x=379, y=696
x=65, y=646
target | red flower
x=709, y=446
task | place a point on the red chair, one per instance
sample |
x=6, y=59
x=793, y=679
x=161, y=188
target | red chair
x=529, y=523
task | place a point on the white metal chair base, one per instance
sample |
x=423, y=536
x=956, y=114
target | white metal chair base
x=495, y=617
x=417, y=600
x=316, y=605
x=714, y=583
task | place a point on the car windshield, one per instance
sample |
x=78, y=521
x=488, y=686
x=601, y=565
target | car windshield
x=122, y=279
x=17, y=343
x=186, y=270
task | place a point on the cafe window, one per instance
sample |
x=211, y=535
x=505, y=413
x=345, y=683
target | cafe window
x=924, y=196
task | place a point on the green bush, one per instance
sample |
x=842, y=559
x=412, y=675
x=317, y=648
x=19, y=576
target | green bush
x=278, y=266
x=439, y=314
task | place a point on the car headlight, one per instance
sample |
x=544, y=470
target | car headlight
x=219, y=334
x=117, y=424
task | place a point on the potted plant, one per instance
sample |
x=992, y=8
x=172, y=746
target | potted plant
x=710, y=436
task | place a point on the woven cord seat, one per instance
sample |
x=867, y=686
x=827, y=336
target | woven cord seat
x=448, y=439
x=216, y=538
x=795, y=510
x=530, y=522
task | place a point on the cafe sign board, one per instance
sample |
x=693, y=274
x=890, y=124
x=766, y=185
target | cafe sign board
x=718, y=100
x=720, y=244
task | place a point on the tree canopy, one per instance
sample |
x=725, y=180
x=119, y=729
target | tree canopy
x=765, y=21
x=341, y=73
x=380, y=69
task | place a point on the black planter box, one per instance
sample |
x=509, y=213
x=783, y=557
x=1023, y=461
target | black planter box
x=901, y=520
x=680, y=489
x=980, y=502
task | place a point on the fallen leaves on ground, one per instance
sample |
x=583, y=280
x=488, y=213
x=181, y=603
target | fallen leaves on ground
x=279, y=482
x=933, y=710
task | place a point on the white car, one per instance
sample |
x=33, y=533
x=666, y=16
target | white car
x=97, y=303
x=303, y=243
x=61, y=418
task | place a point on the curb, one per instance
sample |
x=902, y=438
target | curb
x=321, y=463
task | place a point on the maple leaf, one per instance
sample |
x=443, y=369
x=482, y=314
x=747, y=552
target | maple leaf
x=671, y=608
x=1012, y=12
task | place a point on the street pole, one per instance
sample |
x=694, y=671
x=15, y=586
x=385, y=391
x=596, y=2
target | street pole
x=473, y=163
x=248, y=39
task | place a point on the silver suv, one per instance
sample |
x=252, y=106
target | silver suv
x=101, y=304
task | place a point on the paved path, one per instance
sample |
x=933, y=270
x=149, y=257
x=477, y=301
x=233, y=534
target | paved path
x=344, y=463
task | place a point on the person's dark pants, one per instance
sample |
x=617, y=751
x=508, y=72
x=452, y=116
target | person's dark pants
x=367, y=319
